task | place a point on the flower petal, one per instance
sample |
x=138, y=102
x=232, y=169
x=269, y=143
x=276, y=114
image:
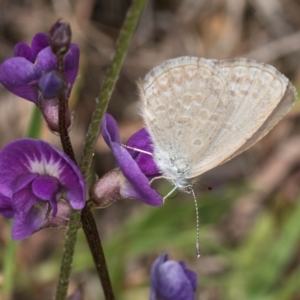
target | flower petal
x=192, y=276
x=23, y=181
x=169, y=280
x=50, y=84
x=110, y=130
x=46, y=188
x=155, y=268
x=23, y=50
x=25, y=225
x=140, y=188
x=46, y=62
x=141, y=140
x=174, y=283
x=23, y=200
x=33, y=156
x=61, y=219
x=20, y=76
x=6, y=207
x=69, y=175
x=72, y=65
x=39, y=42
x=14, y=168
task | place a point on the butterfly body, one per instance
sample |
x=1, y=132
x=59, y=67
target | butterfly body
x=201, y=113
x=176, y=169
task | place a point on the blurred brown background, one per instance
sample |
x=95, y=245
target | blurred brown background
x=250, y=221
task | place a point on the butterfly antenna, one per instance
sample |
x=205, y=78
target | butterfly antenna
x=197, y=224
x=207, y=187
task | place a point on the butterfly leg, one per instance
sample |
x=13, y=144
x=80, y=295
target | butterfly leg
x=157, y=177
x=136, y=149
x=171, y=192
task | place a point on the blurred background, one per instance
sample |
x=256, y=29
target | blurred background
x=249, y=221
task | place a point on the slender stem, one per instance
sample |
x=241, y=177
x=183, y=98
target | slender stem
x=63, y=128
x=89, y=225
x=74, y=222
x=9, y=268
x=34, y=127
x=88, y=222
x=109, y=83
x=94, y=241
x=67, y=258
x=110, y=80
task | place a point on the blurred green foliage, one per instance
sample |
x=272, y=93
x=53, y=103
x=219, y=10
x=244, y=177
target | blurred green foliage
x=261, y=267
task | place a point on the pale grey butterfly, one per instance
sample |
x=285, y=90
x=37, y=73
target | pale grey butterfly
x=201, y=113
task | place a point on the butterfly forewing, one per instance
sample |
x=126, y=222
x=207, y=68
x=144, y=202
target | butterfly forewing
x=208, y=111
x=258, y=96
x=182, y=97
x=278, y=113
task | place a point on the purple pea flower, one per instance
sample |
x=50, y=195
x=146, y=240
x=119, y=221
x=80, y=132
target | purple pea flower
x=131, y=178
x=171, y=280
x=34, y=178
x=21, y=74
x=31, y=75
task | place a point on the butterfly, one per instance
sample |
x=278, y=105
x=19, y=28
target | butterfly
x=200, y=112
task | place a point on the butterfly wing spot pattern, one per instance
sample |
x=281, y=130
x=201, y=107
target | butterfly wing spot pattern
x=204, y=112
x=201, y=113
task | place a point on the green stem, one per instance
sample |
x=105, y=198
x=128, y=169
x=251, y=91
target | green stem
x=67, y=258
x=74, y=222
x=88, y=222
x=34, y=128
x=109, y=83
x=9, y=268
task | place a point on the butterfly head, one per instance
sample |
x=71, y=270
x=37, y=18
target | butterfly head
x=176, y=169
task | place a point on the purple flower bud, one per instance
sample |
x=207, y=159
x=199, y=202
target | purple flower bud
x=107, y=190
x=135, y=169
x=170, y=280
x=49, y=109
x=22, y=73
x=50, y=85
x=60, y=38
x=34, y=177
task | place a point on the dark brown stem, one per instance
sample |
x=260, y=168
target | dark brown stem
x=87, y=219
x=93, y=239
x=62, y=113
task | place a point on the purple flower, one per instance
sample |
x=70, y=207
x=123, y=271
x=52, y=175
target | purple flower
x=34, y=177
x=21, y=74
x=136, y=168
x=170, y=280
x=31, y=74
x=141, y=140
x=60, y=38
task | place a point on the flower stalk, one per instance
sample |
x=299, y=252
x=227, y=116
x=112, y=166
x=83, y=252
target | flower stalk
x=87, y=220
